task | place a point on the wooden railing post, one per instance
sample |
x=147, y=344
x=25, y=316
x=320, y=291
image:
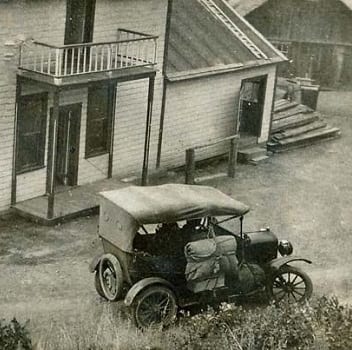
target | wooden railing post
x=190, y=166
x=232, y=157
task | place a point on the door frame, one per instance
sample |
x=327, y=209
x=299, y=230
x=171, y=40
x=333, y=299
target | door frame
x=73, y=162
x=87, y=29
x=261, y=99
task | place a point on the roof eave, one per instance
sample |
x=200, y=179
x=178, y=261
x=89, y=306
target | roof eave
x=222, y=69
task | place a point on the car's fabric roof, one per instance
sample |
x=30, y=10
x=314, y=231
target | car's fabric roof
x=174, y=202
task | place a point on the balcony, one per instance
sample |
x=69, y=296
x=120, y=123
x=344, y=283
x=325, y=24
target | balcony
x=131, y=54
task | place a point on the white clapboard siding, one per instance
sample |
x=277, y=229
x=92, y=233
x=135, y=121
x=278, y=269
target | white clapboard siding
x=205, y=109
x=131, y=111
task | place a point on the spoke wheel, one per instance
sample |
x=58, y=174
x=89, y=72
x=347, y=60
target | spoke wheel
x=290, y=285
x=110, y=277
x=154, y=307
x=97, y=284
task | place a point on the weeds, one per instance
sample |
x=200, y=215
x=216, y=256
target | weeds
x=14, y=336
x=324, y=324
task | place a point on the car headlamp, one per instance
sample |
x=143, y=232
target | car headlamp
x=285, y=247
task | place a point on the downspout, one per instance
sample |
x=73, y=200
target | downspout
x=273, y=105
x=163, y=98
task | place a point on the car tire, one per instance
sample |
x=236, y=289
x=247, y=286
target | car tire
x=97, y=284
x=110, y=277
x=154, y=307
x=290, y=285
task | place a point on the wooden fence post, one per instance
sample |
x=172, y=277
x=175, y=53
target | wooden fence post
x=232, y=157
x=190, y=166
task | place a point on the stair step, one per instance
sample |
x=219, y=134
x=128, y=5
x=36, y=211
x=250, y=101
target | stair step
x=309, y=136
x=304, y=140
x=257, y=160
x=294, y=121
x=299, y=109
x=283, y=106
x=247, y=154
x=319, y=124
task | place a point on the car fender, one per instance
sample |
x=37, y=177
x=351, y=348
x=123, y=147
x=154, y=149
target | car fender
x=279, y=262
x=93, y=266
x=142, y=284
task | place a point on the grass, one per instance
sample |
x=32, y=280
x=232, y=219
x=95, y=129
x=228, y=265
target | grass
x=323, y=324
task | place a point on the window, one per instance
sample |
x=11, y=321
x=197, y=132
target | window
x=97, y=133
x=31, y=132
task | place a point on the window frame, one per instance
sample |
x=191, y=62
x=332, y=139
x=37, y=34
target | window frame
x=95, y=152
x=22, y=108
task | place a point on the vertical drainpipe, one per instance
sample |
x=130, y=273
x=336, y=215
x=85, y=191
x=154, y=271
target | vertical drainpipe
x=273, y=103
x=163, y=99
x=15, y=143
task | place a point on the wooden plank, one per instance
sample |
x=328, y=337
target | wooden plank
x=294, y=121
x=285, y=106
x=299, y=130
x=292, y=111
x=313, y=135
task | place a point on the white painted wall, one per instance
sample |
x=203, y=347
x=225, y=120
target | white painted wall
x=204, y=109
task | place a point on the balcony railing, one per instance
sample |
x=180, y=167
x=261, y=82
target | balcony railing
x=131, y=49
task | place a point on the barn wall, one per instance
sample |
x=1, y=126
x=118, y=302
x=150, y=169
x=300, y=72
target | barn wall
x=327, y=21
x=201, y=110
x=318, y=34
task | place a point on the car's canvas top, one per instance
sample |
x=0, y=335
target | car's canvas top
x=123, y=211
x=174, y=202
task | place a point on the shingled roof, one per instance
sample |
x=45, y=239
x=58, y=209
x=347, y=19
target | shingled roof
x=202, y=43
x=244, y=7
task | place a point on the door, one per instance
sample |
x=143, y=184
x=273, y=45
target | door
x=252, y=97
x=79, y=21
x=68, y=145
x=79, y=29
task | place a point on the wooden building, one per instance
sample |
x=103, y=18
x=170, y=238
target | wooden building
x=219, y=80
x=316, y=35
x=91, y=89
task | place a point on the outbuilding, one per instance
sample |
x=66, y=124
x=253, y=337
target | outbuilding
x=314, y=34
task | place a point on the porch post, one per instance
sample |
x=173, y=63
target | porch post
x=148, y=131
x=15, y=141
x=51, y=163
x=112, y=106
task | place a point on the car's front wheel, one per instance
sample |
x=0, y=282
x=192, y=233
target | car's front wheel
x=290, y=285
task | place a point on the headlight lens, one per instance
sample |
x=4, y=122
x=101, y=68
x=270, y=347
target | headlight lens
x=285, y=247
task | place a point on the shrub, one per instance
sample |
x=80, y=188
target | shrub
x=14, y=336
x=324, y=324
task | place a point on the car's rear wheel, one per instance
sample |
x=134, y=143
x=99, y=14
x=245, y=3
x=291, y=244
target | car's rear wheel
x=290, y=285
x=110, y=277
x=97, y=284
x=154, y=307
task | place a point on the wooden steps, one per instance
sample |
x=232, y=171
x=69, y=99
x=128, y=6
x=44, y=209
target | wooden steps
x=299, y=130
x=252, y=155
x=295, y=125
x=293, y=121
x=298, y=109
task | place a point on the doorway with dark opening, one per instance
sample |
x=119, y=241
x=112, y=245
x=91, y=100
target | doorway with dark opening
x=67, y=150
x=251, y=107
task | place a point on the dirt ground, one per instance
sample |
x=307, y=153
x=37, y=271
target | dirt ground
x=304, y=195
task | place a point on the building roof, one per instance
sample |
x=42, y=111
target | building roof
x=202, y=42
x=244, y=7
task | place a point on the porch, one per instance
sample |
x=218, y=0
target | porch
x=71, y=203
x=132, y=53
x=56, y=70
